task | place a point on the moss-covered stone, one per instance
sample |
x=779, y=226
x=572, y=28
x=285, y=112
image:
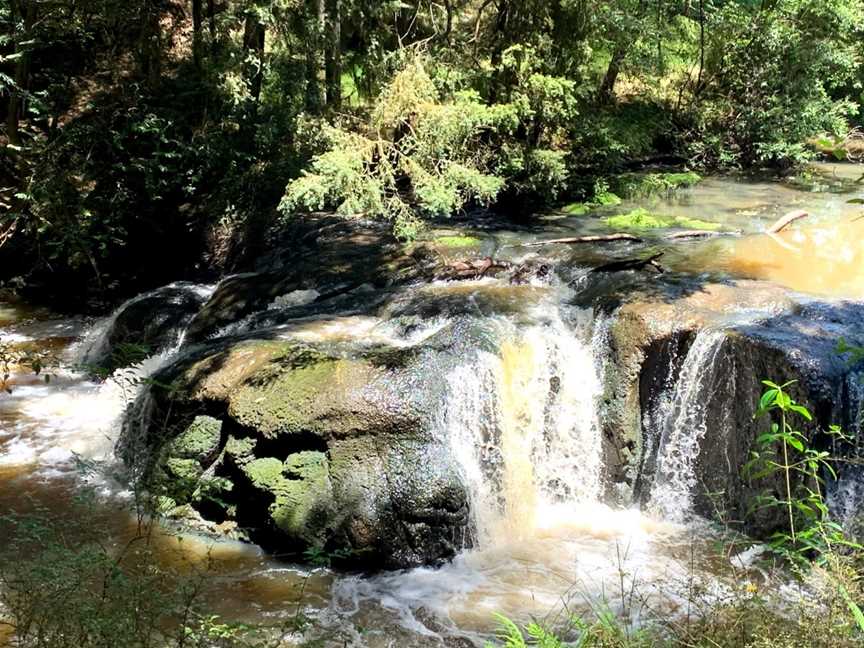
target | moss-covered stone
x=186, y=470
x=639, y=219
x=264, y=473
x=578, y=208
x=321, y=449
x=300, y=491
x=457, y=241
x=642, y=219
x=241, y=451
x=602, y=199
x=200, y=440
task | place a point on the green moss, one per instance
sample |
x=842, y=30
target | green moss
x=300, y=487
x=264, y=473
x=184, y=470
x=199, y=440
x=304, y=398
x=602, y=199
x=642, y=219
x=577, y=208
x=457, y=241
x=241, y=451
x=607, y=199
x=686, y=179
x=696, y=224
x=641, y=185
x=639, y=219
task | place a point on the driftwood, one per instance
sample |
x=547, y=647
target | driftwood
x=602, y=238
x=631, y=264
x=691, y=234
x=473, y=269
x=786, y=220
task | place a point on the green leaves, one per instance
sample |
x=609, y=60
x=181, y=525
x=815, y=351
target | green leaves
x=786, y=452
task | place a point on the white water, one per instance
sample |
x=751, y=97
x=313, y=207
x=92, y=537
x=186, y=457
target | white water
x=49, y=422
x=523, y=425
x=682, y=420
x=93, y=348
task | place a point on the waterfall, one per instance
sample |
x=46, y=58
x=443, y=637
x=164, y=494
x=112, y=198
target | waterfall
x=94, y=348
x=846, y=495
x=682, y=422
x=522, y=423
x=52, y=422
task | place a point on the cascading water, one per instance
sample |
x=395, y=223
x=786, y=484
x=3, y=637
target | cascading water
x=846, y=496
x=682, y=422
x=52, y=421
x=523, y=424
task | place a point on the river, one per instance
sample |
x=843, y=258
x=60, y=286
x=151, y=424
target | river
x=550, y=540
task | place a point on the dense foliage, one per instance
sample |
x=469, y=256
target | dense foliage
x=132, y=126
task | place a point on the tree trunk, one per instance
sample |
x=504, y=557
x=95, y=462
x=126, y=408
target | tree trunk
x=253, y=42
x=197, y=36
x=607, y=88
x=27, y=10
x=314, y=91
x=333, y=64
x=211, y=17
x=150, y=46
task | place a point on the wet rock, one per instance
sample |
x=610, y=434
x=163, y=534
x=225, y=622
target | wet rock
x=145, y=325
x=652, y=327
x=761, y=336
x=322, y=449
x=323, y=258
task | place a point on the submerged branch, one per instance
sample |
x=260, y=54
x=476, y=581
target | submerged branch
x=786, y=220
x=632, y=264
x=603, y=238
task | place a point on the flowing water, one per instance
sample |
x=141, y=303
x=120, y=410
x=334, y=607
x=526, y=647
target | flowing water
x=523, y=419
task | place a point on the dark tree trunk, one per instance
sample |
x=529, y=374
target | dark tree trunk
x=333, y=64
x=253, y=42
x=607, y=88
x=25, y=9
x=197, y=36
x=150, y=46
x=314, y=94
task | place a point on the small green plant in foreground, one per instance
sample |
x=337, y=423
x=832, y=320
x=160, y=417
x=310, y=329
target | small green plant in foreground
x=810, y=533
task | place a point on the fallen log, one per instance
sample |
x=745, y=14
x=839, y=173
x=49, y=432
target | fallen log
x=690, y=234
x=786, y=220
x=600, y=238
x=631, y=264
x=473, y=269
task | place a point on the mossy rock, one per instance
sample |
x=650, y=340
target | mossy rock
x=642, y=219
x=602, y=199
x=321, y=448
x=457, y=241
x=200, y=441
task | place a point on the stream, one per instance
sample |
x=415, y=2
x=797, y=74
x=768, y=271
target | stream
x=524, y=409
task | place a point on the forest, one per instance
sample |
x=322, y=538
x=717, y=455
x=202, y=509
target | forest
x=207, y=124
x=432, y=323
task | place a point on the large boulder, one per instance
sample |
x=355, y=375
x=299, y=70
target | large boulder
x=309, y=448
x=725, y=339
x=147, y=324
x=324, y=258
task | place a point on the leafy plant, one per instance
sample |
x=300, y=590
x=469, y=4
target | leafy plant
x=784, y=450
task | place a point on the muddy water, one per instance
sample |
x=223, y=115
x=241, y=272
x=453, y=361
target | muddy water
x=547, y=547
